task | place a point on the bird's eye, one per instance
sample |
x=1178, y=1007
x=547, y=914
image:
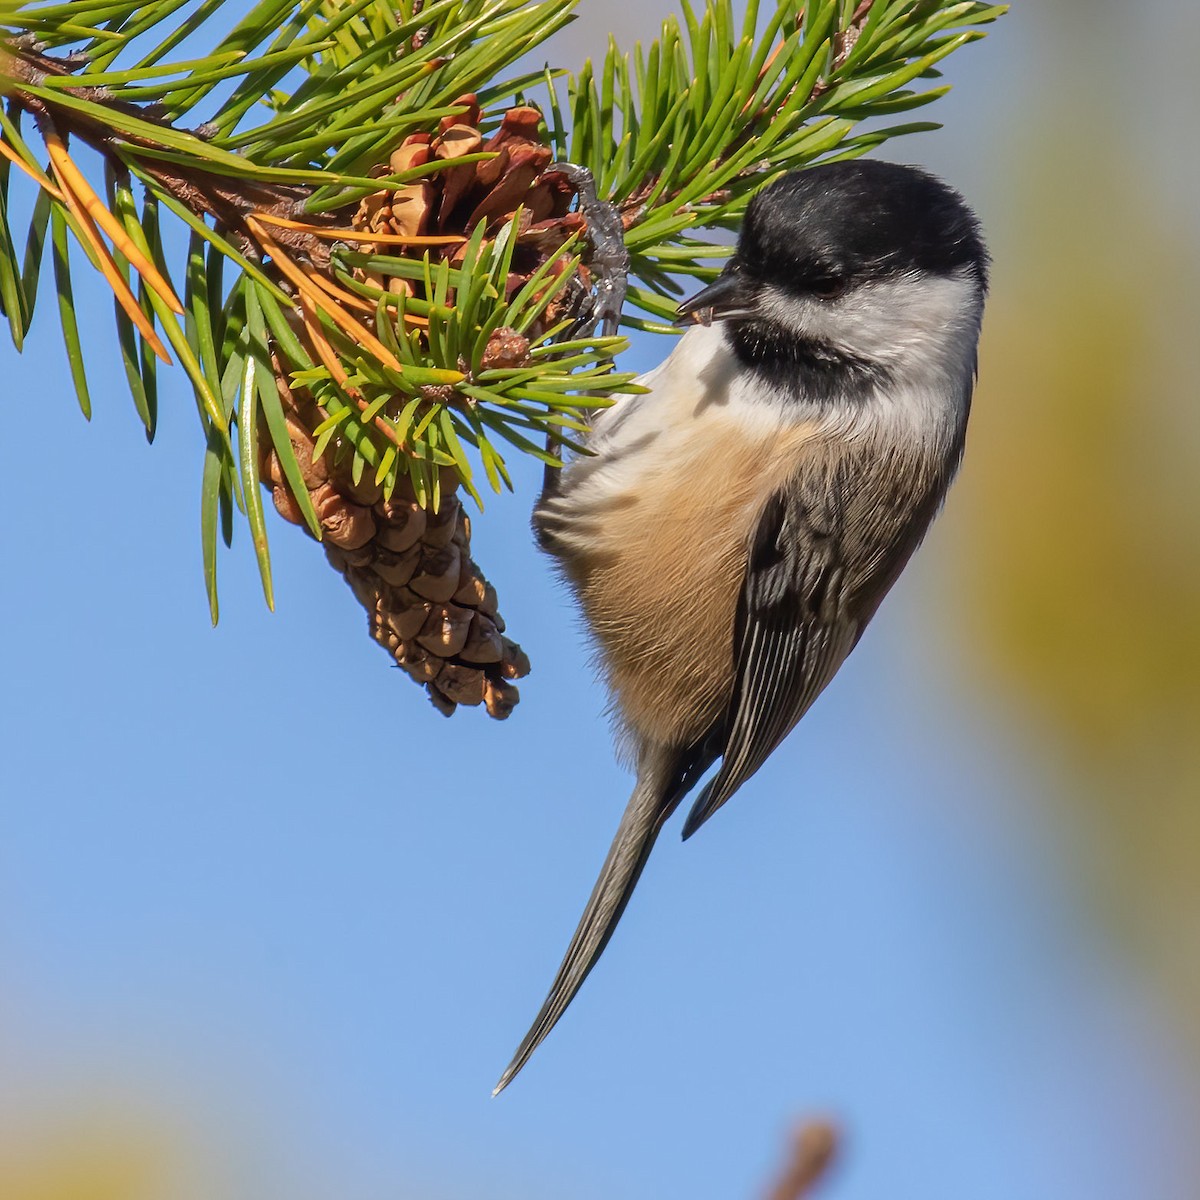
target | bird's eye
x=827, y=287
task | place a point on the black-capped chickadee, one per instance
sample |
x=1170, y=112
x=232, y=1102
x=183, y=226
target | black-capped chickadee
x=735, y=528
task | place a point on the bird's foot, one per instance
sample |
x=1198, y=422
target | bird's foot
x=609, y=262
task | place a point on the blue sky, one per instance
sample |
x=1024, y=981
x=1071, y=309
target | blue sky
x=254, y=888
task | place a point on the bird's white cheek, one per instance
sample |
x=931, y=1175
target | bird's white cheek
x=909, y=321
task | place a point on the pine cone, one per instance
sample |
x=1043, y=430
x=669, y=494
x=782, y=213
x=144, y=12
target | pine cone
x=427, y=601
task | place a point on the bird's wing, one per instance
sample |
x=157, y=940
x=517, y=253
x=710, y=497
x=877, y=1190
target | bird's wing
x=793, y=629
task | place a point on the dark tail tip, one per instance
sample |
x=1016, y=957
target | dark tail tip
x=510, y=1073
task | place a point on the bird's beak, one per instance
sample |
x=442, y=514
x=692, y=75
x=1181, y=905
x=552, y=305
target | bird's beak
x=724, y=298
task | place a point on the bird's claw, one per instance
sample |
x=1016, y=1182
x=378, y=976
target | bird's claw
x=609, y=262
x=609, y=265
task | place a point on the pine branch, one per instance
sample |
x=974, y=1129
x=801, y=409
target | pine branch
x=387, y=285
x=815, y=1147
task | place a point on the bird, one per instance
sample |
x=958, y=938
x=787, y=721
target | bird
x=734, y=525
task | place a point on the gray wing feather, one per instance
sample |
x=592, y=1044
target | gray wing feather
x=792, y=634
x=826, y=550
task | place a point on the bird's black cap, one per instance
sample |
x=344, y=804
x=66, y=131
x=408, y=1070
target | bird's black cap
x=856, y=221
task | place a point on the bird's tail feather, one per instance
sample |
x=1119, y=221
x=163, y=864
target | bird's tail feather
x=651, y=804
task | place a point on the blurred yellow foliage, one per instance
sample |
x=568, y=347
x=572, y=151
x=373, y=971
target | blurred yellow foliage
x=1078, y=526
x=90, y=1160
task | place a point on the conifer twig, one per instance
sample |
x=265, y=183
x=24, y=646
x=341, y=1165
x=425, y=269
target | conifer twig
x=397, y=252
x=814, y=1147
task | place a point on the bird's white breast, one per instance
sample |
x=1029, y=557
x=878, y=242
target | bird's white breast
x=653, y=532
